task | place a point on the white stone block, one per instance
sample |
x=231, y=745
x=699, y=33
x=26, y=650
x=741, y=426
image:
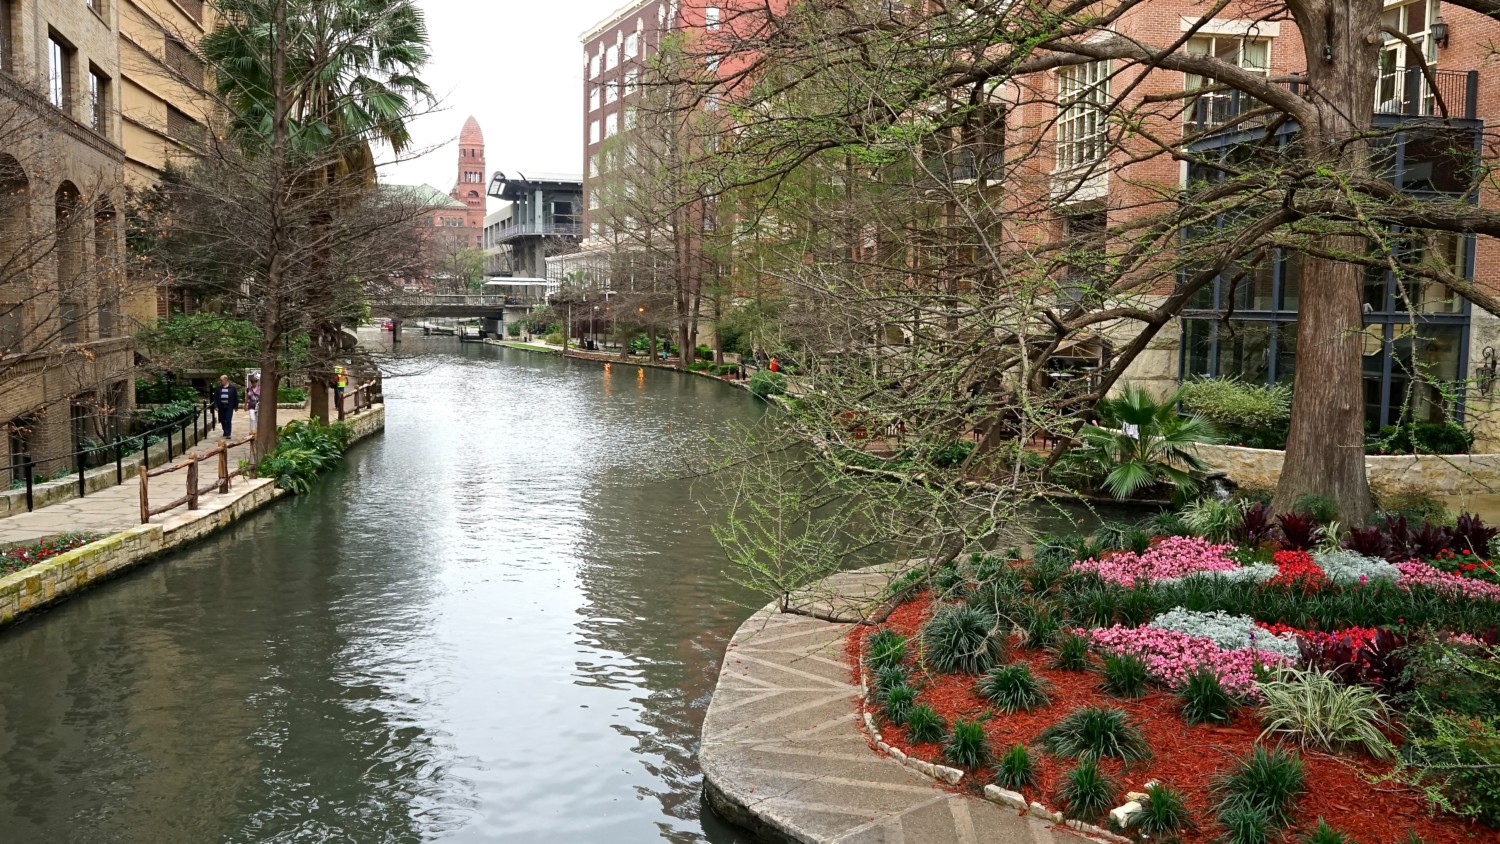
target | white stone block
x=948, y=775
x=1123, y=816
x=1006, y=797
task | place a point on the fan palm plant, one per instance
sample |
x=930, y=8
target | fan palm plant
x=1151, y=444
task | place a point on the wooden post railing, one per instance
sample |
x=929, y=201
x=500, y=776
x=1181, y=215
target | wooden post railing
x=194, y=491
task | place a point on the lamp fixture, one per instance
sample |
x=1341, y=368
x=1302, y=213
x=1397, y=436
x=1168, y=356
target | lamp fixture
x=1440, y=32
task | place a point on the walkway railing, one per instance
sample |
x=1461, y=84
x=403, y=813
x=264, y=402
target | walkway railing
x=363, y=397
x=221, y=483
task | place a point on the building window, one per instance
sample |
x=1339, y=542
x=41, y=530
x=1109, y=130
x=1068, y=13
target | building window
x=99, y=101
x=632, y=78
x=180, y=58
x=60, y=74
x=1082, y=125
x=181, y=127
x=612, y=57
x=194, y=9
x=593, y=97
x=629, y=117
x=611, y=125
x=594, y=166
x=632, y=45
x=593, y=65
x=711, y=18
x=19, y=435
x=1402, y=88
x=1219, y=107
x=7, y=35
x=611, y=92
x=98, y=7
x=593, y=131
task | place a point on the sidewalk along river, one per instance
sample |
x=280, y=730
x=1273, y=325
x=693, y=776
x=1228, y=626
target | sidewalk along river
x=501, y=620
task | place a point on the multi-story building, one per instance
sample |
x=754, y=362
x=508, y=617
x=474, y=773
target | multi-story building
x=469, y=189
x=1100, y=177
x=66, y=355
x=540, y=222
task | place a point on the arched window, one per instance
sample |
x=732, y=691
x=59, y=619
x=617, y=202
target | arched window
x=70, y=239
x=107, y=272
x=15, y=243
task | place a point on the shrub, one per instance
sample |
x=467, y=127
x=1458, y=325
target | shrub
x=1237, y=406
x=1070, y=652
x=967, y=746
x=888, y=678
x=1125, y=675
x=1267, y=780
x=160, y=392
x=1213, y=519
x=555, y=338
x=1422, y=438
x=923, y=724
x=1299, y=531
x=1164, y=814
x=898, y=704
x=1087, y=792
x=1244, y=824
x=1369, y=541
x=305, y=449
x=1015, y=770
x=1459, y=761
x=1471, y=534
x=1320, y=508
x=1314, y=709
x=961, y=638
x=1014, y=688
x=1325, y=834
x=887, y=648
x=1096, y=731
x=765, y=383
x=1204, y=700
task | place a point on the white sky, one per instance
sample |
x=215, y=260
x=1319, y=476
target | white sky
x=523, y=81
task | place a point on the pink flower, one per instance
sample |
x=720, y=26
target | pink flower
x=1175, y=556
x=1171, y=656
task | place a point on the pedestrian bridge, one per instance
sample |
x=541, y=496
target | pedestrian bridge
x=510, y=296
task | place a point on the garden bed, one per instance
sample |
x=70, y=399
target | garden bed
x=23, y=557
x=1111, y=616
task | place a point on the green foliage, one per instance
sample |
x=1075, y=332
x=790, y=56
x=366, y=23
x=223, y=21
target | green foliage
x=1314, y=709
x=887, y=648
x=203, y=341
x=305, y=449
x=161, y=392
x=1213, y=519
x=1015, y=770
x=888, y=678
x=291, y=395
x=1070, y=652
x=513, y=329
x=1096, y=731
x=167, y=414
x=923, y=724
x=1422, y=438
x=1255, y=415
x=1087, y=792
x=1125, y=675
x=1320, y=507
x=967, y=746
x=1204, y=700
x=1325, y=834
x=1160, y=452
x=1038, y=623
x=1459, y=759
x=1164, y=814
x=1246, y=824
x=898, y=704
x=1014, y=688
x=555, y=338
x=1267, y=780
x=961, y=638
x=765, y=383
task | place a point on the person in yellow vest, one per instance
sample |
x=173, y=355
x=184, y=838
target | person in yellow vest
x=340, y=381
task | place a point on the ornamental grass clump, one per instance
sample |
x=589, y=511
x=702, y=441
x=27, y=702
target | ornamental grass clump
x=961, y=638
x=890, y=677
x=1070, y=652
x=1015, y=770
x=1270, y=781
x=1087, y=792
x=1096, y=731
x=887, y=648
x=1014, y=688
x=1204, y=700
x=1246, y=825
x=1325, y=834
x=1125, y=675
x=967, y=746
x=1314, y=709
x=898, y=703
x=924, y=724
x=1164, y=814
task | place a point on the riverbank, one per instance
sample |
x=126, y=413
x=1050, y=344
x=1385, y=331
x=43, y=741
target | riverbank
x=784, y=753
x=574, y=354
x=130, y=545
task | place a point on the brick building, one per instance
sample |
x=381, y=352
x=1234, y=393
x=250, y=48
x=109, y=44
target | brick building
x=66, y=355
x=1098, y=175
x=469, y=188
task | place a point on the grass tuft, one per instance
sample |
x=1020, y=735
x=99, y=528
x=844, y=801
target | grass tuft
x=887, y=648
x=1204, y=700
x=1125, y=676
x=967, y=745
x=1014, y=688
x=1087, y=792
x=1015, y=770
x=1070, y=652
x=1165, y=813
x=1325, y=834
x=1269, y=781
x=961, y=638
x=924, y=724
x=898, y=703
x=1096, y=731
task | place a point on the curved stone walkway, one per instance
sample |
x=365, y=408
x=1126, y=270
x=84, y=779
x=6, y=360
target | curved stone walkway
x=783, y=754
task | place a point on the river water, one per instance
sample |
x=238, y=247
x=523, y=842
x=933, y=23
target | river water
x=501, y=621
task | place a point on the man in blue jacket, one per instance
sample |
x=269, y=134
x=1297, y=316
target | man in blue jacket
x=226, y=399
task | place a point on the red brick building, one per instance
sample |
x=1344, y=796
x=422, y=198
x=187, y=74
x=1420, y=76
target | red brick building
x=469, y=188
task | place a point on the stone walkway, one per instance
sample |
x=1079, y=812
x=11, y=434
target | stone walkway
x=783, y=754
x=119, y=507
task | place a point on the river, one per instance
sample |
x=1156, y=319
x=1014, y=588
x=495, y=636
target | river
x=500, y=621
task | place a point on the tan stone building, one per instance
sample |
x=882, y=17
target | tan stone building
x=66, y=355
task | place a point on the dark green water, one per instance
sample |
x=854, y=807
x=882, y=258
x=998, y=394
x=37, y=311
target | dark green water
x=501, y=621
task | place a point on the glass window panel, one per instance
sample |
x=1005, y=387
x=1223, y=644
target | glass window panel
x=1373, y=363
x=1252, y=288
x=1439, y=160
x=1424, y=371
x=1291, y=279
x=1197, y=343
x=1245, y=351
x=1286, y=352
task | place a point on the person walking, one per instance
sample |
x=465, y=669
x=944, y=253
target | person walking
x=340, y=383
x=226, y=401
x=775, y=364
x=252, y=400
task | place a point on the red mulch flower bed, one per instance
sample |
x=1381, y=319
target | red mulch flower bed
x=1340, y=789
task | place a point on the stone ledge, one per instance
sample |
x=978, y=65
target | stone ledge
x=1443, y=474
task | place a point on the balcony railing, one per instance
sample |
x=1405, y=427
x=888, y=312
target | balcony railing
x=1403, y=93
x=538, y=230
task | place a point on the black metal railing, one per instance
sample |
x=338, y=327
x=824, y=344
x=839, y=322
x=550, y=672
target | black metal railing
x=1408, y=92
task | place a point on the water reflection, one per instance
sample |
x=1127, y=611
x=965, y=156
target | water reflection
x=499, y=621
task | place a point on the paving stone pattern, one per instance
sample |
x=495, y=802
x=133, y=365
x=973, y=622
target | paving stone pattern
x=783, y=754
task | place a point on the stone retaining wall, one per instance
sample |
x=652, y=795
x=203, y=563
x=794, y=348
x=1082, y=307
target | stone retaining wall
x=51, y=492
x=1439, y=474
x=67, y=574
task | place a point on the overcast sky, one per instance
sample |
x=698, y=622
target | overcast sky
x=516, y=66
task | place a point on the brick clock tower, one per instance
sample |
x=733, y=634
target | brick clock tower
x=470, y=187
